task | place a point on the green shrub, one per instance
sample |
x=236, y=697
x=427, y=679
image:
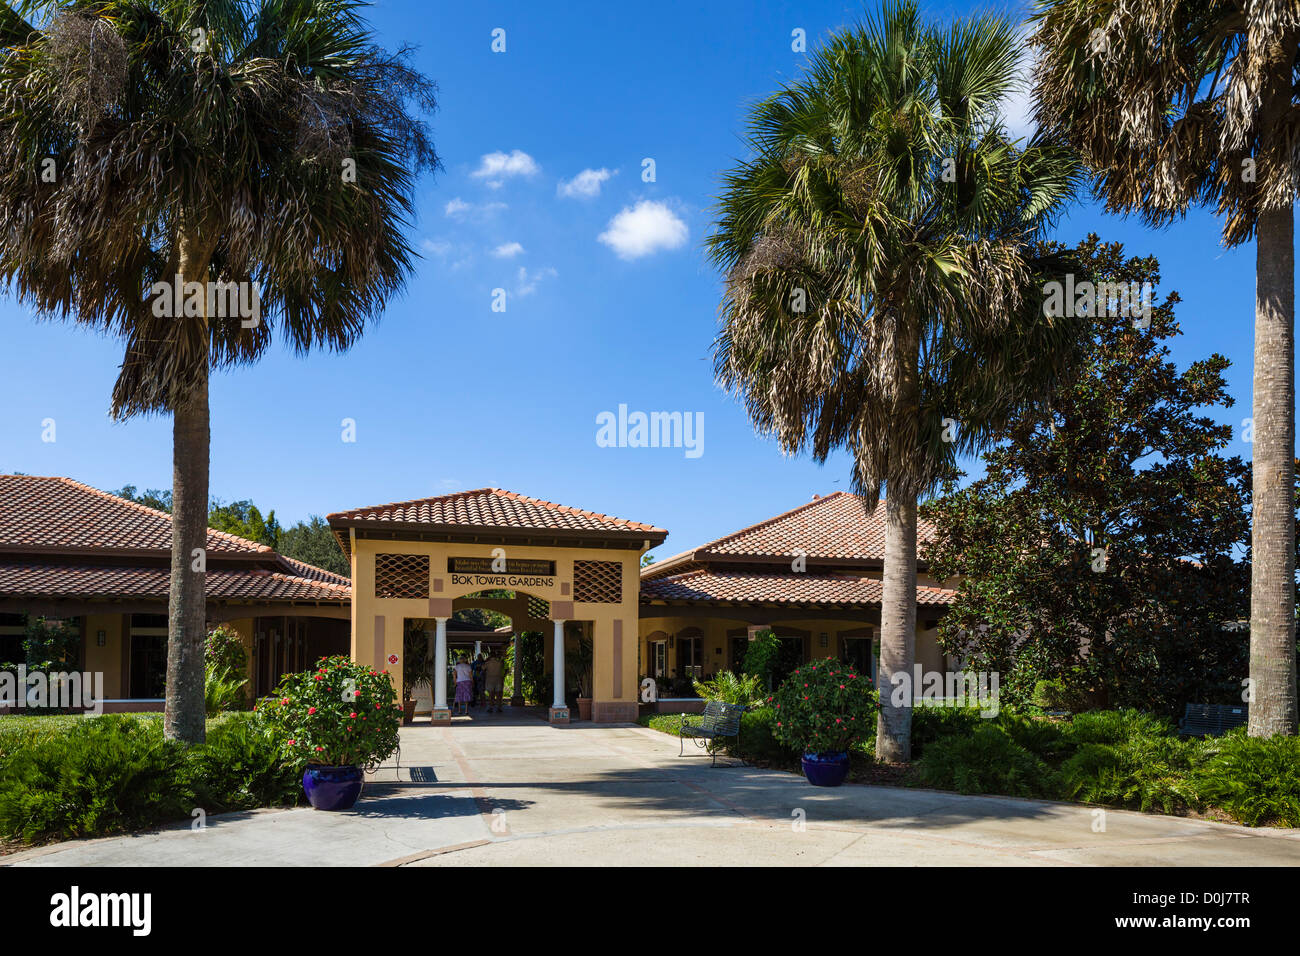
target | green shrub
x=242, y=765
x=1045, y=739
x=743, y=689
x=225, y=649
x=1117, y=726
x=761, y=656
x=341, y=714
x=1060, y=694
x=986, y=760
x=1255, y=780
x=758, y=740
x=1143, y=772
x=104, y=775
x=223, y=690
x=825, y=707
x=932, y=722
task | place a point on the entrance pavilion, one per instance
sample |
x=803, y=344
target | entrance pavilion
x=427, y=558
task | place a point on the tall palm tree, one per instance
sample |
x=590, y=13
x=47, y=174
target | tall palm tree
x=881, y=277
x=149, y=144
x=1176, y=102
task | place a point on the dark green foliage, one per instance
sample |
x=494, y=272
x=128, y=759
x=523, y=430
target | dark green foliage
x=1117, y=726
x=987, y=760
x=1104, y=545
x=1256, y=780
x=757, y=740
x=1141, y=773
x=242, y=765
x=761, y=657
x=932, y=723
x=104, y=775
x=312, y=541
x=225, y=650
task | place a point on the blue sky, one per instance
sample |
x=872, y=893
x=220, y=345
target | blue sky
x=446, y=393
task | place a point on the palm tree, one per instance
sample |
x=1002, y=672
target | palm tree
x=882, y=289
x=1175, y=102
x=156, y=153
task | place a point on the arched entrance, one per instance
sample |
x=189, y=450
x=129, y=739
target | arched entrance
x=430, y=557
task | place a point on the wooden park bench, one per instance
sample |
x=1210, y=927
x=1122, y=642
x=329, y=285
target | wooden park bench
x=1211, y=720
x=718, y=722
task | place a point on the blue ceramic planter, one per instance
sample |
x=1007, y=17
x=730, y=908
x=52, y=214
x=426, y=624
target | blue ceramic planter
x=826, y=769
x=332, y=788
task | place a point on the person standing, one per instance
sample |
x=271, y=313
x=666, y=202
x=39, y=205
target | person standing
x=493, y=680
x=464, y=686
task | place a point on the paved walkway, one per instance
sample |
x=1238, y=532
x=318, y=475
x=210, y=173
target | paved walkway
x=510, y=790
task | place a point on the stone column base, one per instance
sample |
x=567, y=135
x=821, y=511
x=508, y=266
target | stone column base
x=441, y=717
x=517, y=700
x=559, y=716
x=614, y=712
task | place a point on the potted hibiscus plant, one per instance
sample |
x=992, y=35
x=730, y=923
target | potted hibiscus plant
x=338, y=721
x=822, y=710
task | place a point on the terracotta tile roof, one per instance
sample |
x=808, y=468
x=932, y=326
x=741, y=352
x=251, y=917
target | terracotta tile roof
x=836, y=528
x=304, y=570
x=114, y=583
x=710, y=586
x=48, y=513
x=489, y=508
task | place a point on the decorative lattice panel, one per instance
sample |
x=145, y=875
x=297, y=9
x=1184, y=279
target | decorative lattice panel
x=598, y=582
x=401, y=575
x=538, y=609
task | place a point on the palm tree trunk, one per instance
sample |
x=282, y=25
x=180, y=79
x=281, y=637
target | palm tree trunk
x=898, y=599
x=187, y=603
x=1272, y=576
x=897, y=629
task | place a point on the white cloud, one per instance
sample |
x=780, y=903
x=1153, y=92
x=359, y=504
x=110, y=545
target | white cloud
x=435, y=247
x=645, y=228
x=528, y=280
x=507, y=250
x=461, y=210
x=497, y=167
x=585, y=185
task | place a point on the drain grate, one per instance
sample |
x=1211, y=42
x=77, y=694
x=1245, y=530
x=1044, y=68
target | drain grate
x=422, y=775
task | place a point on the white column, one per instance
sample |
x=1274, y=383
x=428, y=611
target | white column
x=559, y=665
x=478, y=648
x=440, y=666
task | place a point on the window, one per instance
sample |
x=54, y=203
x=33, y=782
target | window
x=148, y=656
x=660, y=658
x=13, y=628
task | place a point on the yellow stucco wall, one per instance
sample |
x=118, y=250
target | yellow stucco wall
x=377, y=623
x=106, y=660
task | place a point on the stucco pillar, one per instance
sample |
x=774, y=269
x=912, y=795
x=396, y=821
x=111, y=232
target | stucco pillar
x=441, y=715
x=559, y=709
x=478, y=649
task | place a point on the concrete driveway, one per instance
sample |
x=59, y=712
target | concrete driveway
x=511, y=790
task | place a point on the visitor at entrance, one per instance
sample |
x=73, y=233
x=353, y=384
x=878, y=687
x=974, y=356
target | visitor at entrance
x=478, y=680
x=493, y=680
x=464, y=686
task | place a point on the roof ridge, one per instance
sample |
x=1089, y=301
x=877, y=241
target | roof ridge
x=820, y=500
x=627, y=523
x=410, y=501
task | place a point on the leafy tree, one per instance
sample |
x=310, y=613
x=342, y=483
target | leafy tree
x=200, y=148
x=880, y=293
x=243, y=518
x=1105, y=545
x=312, y=541
x=1181, y=102
x=156, y=498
